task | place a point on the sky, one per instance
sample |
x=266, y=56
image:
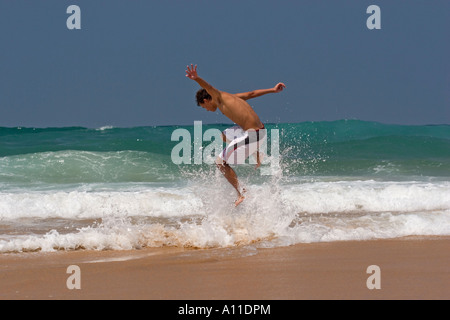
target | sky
x=126, y=66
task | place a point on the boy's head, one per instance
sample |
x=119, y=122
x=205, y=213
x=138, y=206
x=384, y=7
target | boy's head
x=204, y=100
x=201, y=95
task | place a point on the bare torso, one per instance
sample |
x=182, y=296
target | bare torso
x=239, y=111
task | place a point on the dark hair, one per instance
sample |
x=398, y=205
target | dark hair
x=201, y=95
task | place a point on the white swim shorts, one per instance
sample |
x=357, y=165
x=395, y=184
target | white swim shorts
x=241, y=144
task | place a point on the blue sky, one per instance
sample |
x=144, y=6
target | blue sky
x=125, y=67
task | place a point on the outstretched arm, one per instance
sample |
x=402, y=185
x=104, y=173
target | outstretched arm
x=257, y=93
x=191, y=73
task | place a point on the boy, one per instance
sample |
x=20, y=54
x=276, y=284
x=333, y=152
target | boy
x=244, y=141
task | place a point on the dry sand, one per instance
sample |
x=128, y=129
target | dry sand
x=410, y=269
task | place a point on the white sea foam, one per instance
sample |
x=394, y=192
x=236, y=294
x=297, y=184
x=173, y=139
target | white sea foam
x=105, y=128
x=368, y=196
x=201, y=216
x=94, y=205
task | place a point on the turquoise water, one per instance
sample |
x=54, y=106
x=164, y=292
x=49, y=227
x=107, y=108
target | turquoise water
x=108, y=155
x=118, y=188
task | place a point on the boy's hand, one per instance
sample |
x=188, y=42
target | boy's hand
x=191, y=72
x=279, y=87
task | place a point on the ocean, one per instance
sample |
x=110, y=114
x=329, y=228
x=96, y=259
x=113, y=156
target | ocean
x=114, y=188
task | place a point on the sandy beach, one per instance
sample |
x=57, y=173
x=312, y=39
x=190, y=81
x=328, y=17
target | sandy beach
x=409, y=269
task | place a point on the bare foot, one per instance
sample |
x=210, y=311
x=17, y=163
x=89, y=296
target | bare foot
x=239, y=200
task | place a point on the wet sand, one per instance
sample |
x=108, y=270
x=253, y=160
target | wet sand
x=416, y=268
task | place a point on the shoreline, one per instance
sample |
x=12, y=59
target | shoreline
x=410, y=268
